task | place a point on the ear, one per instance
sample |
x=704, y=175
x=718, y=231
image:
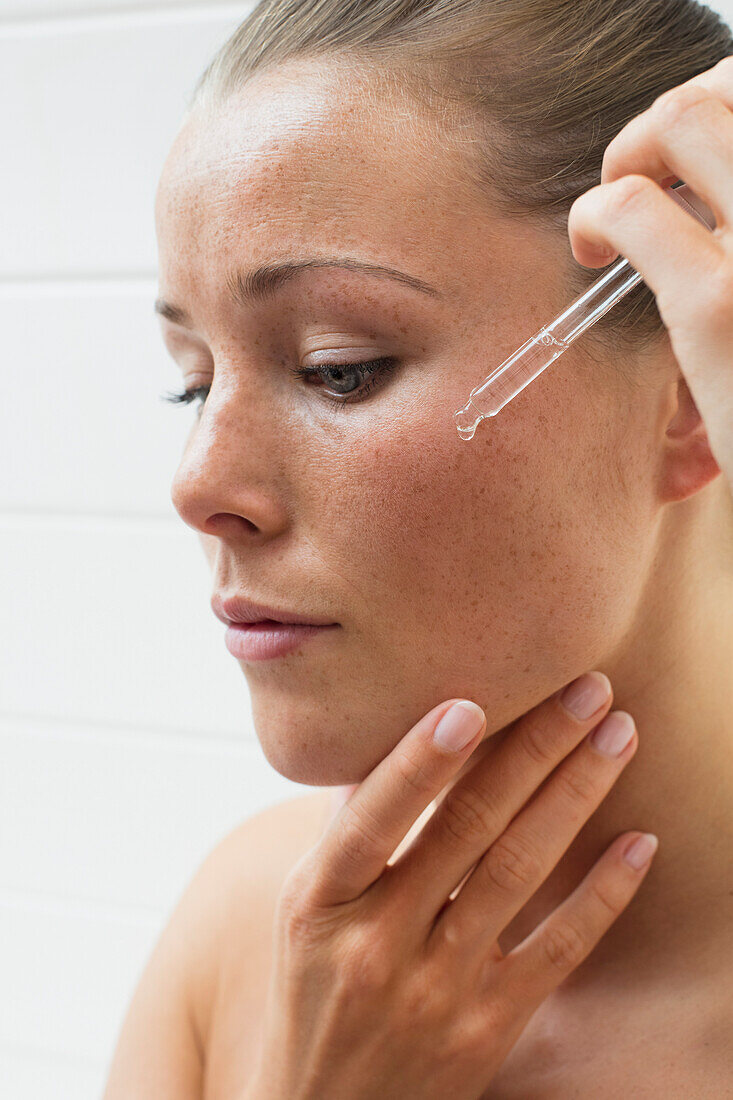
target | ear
x=688, y=464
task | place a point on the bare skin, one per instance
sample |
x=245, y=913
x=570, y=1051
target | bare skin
x=594, y=531
x=559, y=1054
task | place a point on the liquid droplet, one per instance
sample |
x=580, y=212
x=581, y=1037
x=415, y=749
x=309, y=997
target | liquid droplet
x=467, y=421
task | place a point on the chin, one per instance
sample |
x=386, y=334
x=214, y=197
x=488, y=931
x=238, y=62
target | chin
x=301, y=763
x=324, y=753
x=316, y=743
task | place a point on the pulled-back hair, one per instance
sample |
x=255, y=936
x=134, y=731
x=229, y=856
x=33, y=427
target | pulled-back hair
x=546, y=83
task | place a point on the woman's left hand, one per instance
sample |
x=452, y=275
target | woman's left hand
x=687, y=134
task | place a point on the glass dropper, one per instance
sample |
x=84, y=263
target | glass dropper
x=516, y=372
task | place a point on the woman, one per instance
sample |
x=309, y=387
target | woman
x=420, y=169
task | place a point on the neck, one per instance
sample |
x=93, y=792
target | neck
x=673, y=672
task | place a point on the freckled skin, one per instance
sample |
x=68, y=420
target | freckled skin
x=450, y=565
x=571, y=533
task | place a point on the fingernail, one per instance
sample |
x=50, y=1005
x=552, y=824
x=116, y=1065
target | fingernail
x=613, y=734
x=641, y=851
x=459, y=725
x=586, y=694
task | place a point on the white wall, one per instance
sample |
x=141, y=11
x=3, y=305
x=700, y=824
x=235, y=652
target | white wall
x=126, y=743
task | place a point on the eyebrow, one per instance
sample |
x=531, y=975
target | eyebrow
x=248, y=287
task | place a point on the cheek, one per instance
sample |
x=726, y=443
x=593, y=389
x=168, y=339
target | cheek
x=500, y=557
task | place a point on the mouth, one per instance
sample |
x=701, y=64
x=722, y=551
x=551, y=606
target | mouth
x=267, y=639
x=237, y=609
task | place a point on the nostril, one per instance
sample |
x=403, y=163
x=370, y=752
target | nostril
x=221, y=520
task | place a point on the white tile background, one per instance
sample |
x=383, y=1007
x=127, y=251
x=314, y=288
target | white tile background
x=126, y=749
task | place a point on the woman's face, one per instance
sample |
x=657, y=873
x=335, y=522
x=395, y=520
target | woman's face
x=496, y=569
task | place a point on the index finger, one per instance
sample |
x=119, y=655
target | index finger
x=354, y=850
x=645, y=145
x=718, y=81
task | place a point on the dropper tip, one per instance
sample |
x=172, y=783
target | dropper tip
x=467, y=420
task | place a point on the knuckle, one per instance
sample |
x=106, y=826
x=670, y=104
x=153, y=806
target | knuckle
x=628, y=193
x=362, y=964
x=423, y=997
x=503, y=1002
x=576, y=786
x=539, y=740
x=673, y=104
x=564, y=946
x=510, y=864
x=445, y=937
x=415, y=771
x=359, y=834
x=466, y=814
x=603, y=896
x=466, y=1040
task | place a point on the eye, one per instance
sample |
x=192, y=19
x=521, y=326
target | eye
x=346, y=375
x=344, y=378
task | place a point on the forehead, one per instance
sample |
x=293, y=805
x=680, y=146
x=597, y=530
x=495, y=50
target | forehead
x=312, y=157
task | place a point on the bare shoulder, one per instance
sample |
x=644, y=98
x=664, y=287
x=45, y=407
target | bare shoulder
x=239, y=882
x=207, y=975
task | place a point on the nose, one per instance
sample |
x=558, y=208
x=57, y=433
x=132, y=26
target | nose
x=226, y=483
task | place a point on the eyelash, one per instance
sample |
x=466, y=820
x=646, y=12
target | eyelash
x=374, y=367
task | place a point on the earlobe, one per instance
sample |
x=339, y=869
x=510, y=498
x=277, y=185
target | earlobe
x=688, y=464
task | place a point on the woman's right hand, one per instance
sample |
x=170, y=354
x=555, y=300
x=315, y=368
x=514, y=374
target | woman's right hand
x=384, y=986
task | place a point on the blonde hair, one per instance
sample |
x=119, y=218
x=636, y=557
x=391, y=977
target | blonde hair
x=547, y=84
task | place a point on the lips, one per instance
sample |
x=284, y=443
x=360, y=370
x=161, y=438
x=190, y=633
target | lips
x=236, y=609
x=263, y=641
